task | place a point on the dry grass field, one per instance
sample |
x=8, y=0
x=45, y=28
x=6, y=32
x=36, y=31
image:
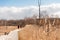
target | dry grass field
x=7, y=29
x=47, y=30
x=34, y=32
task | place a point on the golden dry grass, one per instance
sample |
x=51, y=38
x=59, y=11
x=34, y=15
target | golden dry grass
x=3, y=29
x=34, y=32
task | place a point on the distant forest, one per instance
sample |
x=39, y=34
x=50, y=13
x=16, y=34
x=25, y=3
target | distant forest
x=21, y=22
x=26, y=21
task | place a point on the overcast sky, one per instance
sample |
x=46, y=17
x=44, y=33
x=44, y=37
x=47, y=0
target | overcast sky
x=19, y=9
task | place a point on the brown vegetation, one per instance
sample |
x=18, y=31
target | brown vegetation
x=34, y=32
x=6, y=29
x=43, y=29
